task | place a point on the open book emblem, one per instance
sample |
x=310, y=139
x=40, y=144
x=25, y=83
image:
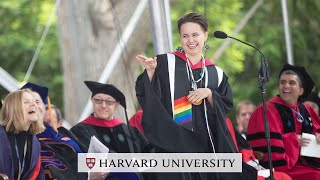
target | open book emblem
x=90, y=162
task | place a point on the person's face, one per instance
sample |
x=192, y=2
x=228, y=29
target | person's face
x=192, y=38
x=30, y=107
x=314, y=106
x=104, y=106
x=46, y=118
x=289, y=88
x=244, y=115
x=41, y=106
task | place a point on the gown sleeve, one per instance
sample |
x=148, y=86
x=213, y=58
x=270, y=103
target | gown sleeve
x=83, y=136
x=225, y=93
x=155, y=83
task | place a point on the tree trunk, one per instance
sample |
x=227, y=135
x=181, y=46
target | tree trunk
x=89, y=32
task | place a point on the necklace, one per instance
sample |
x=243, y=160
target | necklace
x=191, y=77
x=190, y=72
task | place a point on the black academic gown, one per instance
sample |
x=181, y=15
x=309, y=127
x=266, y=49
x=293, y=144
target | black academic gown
x=118, y=137
x=115, y=135
x=8, y=158
x=59, y=154
x=166, y=135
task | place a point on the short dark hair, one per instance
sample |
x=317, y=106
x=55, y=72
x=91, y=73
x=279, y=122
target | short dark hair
x=194, y=18
x=291, y=72
x=306, y=81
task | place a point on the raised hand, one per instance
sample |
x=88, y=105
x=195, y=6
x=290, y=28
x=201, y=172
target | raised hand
x=148, y=63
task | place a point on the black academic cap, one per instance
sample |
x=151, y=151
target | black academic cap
x=41, y=90
x=313, y=97
x=96, y=87
x=307, y=82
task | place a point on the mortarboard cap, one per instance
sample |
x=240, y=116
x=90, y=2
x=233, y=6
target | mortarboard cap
x=96, y=87
x=307, y=82
x=41, y=90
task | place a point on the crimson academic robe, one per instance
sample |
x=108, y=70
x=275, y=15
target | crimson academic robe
x=6, y=158
x=136, y=119
x=284, y=129
x=164, y=132
x=247, y=154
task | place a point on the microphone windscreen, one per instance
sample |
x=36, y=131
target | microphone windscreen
x=220, y=34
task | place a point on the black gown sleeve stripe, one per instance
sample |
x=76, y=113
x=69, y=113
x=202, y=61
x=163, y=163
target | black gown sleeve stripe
x=274, y=149
x=275, y=163
x=261, y=135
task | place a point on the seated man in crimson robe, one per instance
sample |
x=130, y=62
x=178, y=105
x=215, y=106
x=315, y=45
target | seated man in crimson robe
x=288, y=118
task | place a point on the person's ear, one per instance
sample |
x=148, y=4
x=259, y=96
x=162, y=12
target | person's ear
x=301, y=91
x=205, y=36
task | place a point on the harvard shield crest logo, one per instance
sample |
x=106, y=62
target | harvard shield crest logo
x=90, y=162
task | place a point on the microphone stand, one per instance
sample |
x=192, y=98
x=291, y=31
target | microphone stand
x=263, y=78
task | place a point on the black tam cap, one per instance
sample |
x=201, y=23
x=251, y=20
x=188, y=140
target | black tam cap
x=306, y=80
x=41, y=90
x=96, y=87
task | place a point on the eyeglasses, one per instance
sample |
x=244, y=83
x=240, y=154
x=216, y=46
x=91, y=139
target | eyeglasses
x=107, y=102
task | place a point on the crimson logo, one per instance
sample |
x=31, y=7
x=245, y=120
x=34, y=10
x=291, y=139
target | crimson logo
x=90, y=162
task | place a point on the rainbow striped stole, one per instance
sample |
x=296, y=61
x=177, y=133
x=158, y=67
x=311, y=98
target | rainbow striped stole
x=182, y=111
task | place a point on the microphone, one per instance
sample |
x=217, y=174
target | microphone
x=220, y=34
x=264, y=70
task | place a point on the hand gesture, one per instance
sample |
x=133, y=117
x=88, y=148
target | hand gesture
x=196, y=97
x=148, y=63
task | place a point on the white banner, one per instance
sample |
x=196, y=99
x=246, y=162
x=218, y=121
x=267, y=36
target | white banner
x=159, y=162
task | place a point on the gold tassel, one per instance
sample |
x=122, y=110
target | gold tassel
x=53, y=124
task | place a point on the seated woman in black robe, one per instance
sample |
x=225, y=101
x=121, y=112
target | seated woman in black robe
x=20, y=149
x=112, y=132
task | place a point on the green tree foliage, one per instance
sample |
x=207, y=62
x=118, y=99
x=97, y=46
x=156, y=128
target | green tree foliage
x=265, y=30
x=23, y=23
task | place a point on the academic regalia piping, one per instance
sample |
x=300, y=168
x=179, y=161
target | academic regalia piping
x=92, y=120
